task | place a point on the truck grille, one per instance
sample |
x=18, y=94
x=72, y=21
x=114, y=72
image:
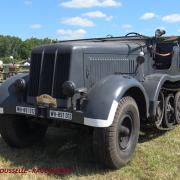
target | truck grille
x=49, y=70
x=34, y=74
x=46, y=78
x=61, y=74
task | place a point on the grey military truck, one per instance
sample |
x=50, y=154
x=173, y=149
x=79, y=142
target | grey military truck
x=111, y=85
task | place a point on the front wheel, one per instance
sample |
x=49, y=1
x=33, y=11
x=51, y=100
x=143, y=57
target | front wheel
x=115, y=145
x=19, y=131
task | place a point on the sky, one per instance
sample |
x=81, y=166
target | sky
x=74, y=19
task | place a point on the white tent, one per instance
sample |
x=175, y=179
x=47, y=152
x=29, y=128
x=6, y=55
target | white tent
x=26, y=64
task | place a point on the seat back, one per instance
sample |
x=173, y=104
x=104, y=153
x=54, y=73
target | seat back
x=163, y=62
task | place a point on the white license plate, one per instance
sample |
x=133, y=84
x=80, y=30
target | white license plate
x=60, y=115
x=25, y=110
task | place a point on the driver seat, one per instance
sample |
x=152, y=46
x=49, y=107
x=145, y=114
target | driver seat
x=163, y=55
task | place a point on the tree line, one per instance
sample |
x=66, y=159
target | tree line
x=11, y=46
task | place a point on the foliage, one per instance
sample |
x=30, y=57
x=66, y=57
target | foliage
x=16, y=47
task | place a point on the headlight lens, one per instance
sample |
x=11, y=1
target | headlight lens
x=68, y=88
x=20, y=85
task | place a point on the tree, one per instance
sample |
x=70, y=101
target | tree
x=14, y=46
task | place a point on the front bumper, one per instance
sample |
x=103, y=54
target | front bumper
x=58, y=114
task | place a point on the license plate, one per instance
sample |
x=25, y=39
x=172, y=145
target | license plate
x=60, y=115
x=25, y=110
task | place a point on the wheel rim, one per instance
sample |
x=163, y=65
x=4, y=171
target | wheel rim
x=169, y=110
x=160, y=110
x=124, y=132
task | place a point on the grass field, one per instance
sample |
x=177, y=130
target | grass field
x=157, y=156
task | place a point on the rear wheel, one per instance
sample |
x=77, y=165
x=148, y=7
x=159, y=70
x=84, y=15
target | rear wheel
x=115, y=145
x=160, y=110
x=177, y=107
x=19, y=131
x=169, y=119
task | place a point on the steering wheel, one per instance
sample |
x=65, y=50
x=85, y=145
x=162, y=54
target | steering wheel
x=133, y=34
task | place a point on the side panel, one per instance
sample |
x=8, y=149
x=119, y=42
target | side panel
x=98, y=66
x=103, y=99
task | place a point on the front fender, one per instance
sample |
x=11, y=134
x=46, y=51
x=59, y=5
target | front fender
x=8, y=96
x=103, y=98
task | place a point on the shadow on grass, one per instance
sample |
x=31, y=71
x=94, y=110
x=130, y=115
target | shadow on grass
x=62, y=148
x=149, y=132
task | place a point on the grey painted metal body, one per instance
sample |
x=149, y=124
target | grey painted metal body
x=107, y=68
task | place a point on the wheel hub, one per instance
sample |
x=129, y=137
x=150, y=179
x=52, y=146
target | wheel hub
x=169, y=112
x=125, y=129
x=160, y=110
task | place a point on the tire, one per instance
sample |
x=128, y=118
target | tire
x=110, y=144
x=19, y=132
x=177, y=107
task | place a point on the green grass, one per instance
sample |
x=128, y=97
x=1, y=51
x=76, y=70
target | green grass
x=157, y=156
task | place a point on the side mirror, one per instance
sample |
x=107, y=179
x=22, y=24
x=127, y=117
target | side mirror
x=159, y=33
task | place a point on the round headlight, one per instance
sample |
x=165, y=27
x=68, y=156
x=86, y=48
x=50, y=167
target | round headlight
x=20, y=85
x=68, y=88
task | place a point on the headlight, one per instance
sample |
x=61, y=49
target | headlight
x=20, y=85
x=68, y=88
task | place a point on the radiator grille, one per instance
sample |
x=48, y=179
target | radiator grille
x=61, y=74
x=100, y=68
x=34, y=74
x=48, y=73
